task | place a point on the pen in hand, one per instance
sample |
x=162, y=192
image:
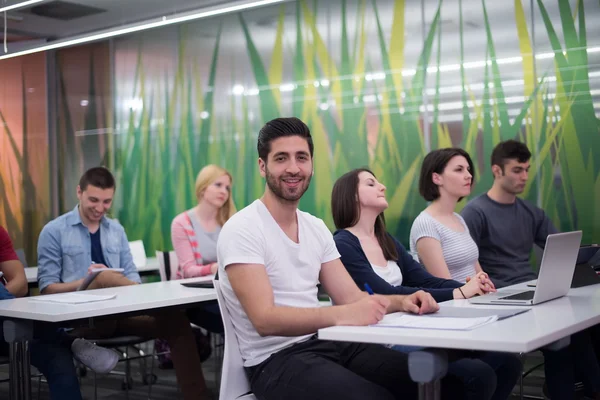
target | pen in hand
x=368, y=289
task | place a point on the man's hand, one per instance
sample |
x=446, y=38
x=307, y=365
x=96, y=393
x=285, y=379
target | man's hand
x=368, y=310
x=420, y=303
x=96, y=266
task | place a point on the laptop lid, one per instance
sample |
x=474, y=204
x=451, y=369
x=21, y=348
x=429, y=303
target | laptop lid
x=585, y=274
x=558, y=266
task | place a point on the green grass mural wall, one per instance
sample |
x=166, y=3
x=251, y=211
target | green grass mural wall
x=178, y=106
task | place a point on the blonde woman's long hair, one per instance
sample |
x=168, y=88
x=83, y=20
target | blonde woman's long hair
x=205, y=178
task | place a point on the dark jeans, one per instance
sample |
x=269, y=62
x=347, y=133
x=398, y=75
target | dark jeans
x=327, y=370
x=485, y=375
x=207, y=316
x=55, y=361
x=560, y=367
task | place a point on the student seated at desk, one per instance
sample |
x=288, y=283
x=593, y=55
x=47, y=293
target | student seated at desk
x=372, y=256
x=194, y=234
x=85, y=238
x=505, y=228
x=439, y=237
x=52, y=351
x=271, y=257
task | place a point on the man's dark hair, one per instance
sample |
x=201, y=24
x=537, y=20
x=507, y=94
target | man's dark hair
x=345, y=207
x=510, y=150
x=99, y=177
x=281, y=127
x=435, y=162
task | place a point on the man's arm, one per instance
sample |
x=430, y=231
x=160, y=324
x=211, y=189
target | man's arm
x=14, y=273
x=341, y=288
x=544, y=228
x=50, y=264
x=253, y=289
x=475, y=222
x=126, y=260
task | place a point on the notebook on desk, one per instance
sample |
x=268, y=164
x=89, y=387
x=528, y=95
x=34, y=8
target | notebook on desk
x=554, y=280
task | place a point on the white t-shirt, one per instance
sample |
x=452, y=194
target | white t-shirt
x=391, y=273
x=252, y=236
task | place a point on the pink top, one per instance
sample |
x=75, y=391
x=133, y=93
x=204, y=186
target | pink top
x=186, y=247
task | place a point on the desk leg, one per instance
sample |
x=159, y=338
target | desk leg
x=427, y=367
x=18, y=334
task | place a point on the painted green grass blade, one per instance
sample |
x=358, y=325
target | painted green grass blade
x=354, y=145
x=583, y=114
x=435, y=128
x=505, y=131
x=299, y=75
x=268, y=104
x=466, y=122
x=209, y=98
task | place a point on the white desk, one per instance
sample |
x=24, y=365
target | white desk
x=150, y=267
x=546, y=323
x=129, y=299
x=20, y=313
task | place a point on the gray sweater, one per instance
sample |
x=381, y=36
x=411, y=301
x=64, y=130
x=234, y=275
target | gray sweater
x=505, y=235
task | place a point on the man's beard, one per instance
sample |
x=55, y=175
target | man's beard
x=276, y=186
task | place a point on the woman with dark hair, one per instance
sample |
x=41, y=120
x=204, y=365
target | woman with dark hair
x=373, y=256
x=439, y=237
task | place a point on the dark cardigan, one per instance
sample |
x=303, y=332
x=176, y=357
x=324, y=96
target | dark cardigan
x=414, y=276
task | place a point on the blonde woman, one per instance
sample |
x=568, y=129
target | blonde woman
x=194, y=233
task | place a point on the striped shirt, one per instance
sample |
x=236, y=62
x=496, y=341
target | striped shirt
x=459, y=250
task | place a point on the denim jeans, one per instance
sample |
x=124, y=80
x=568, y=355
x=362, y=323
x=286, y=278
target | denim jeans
x=485, y=375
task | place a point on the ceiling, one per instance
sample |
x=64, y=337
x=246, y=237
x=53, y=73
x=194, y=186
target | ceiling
x=52, y=20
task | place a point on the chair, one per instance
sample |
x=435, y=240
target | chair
x=138, y=252
x=234, y=383
x=167, y=264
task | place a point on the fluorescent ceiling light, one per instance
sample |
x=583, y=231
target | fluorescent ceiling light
x=164, y=21
x=20, y=5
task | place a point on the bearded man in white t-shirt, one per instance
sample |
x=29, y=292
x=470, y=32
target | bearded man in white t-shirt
x=271, y=257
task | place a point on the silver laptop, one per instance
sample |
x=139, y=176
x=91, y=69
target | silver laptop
x=554, y=278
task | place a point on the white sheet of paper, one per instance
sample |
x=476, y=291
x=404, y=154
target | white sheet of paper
x=400, y=320
x=138, y=253
x=72, y=298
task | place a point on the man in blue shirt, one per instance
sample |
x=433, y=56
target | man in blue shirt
x=83, y=239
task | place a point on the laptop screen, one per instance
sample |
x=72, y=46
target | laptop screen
x=589, y=255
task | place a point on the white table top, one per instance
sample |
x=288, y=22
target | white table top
x=129, y=299
x=544, y=324
x=151, y=266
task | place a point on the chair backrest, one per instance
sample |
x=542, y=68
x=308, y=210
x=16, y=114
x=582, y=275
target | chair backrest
x=167, y=264
x=138, y=252
x=234, y=382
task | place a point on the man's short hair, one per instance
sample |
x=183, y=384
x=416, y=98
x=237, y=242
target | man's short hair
x=281, y=127
x=99, y=177
x=510, y=150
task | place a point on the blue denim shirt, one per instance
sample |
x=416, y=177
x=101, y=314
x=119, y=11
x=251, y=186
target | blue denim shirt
x=64, y=249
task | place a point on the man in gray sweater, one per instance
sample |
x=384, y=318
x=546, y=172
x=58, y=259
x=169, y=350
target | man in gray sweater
x=505, y=229
x=503, y=226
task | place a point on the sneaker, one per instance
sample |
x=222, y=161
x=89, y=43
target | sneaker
x=96, y=358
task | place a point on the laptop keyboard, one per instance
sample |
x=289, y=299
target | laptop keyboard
x=520, y=296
